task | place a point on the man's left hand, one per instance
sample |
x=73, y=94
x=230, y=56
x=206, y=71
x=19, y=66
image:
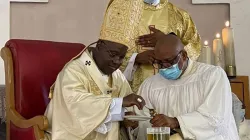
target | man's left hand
x=161, y=120
x=128, y=123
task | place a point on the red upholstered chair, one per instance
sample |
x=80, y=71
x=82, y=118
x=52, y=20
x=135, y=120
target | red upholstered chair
x=31, y=67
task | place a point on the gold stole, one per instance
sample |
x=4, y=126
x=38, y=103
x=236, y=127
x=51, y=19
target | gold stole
x=100, y=87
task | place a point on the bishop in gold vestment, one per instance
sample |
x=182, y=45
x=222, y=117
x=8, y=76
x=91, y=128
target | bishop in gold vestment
x=90, y=92
x=81, y=102
x=165, y=17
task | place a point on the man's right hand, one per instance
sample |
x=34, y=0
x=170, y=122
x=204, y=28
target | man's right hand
x=133, y=99
x=149, y=40
x=146, y=57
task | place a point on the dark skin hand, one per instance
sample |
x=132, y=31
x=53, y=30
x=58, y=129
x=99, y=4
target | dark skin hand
x=132, y=99
x=128, y=123
x=146, y=57
x=149, y=40
x=161, y=120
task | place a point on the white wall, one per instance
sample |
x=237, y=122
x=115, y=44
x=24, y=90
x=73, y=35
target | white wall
x=240, y=21
x=4, y=32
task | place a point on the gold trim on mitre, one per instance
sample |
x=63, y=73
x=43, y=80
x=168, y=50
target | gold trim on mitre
x=121, y=22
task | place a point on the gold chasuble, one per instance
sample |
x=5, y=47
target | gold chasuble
x=165, y=17
x=81, y=98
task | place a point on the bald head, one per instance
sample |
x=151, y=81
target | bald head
x=168, y=46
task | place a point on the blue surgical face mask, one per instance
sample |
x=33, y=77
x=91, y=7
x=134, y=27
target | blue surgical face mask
x=152, y=2
x=171, y=73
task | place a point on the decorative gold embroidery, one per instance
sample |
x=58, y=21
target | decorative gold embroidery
x=121, y=22
x=180, y=23
x=114, y=88
x=94, y=88
x=115, y=92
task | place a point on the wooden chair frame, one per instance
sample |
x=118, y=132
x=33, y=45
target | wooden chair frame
x=38, y=123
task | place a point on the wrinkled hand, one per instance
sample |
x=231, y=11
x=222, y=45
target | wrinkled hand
x=161, y=120
x=146, y=57
x=128, y=123
x=132, y=99
x=150, y=40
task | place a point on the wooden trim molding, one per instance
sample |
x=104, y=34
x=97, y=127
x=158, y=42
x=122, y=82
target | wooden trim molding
x=39, y=123
x=18, y=120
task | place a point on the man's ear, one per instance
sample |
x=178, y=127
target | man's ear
x=184, y=55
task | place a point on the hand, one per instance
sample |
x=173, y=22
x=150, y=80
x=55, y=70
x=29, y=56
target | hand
x=150, y=40
x=146, y=57
x=128, y=123
x=161, y=120
x=133, y=99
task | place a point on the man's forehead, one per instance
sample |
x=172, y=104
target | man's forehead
x=166, y=53
x=169, y=40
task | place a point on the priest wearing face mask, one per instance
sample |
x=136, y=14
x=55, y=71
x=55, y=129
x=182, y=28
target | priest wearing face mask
x=189, y=96
x=166, y=17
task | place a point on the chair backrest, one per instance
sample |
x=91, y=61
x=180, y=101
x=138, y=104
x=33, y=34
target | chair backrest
x=36, y=65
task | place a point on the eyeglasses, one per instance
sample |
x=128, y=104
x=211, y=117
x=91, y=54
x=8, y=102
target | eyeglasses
x=158, y=64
